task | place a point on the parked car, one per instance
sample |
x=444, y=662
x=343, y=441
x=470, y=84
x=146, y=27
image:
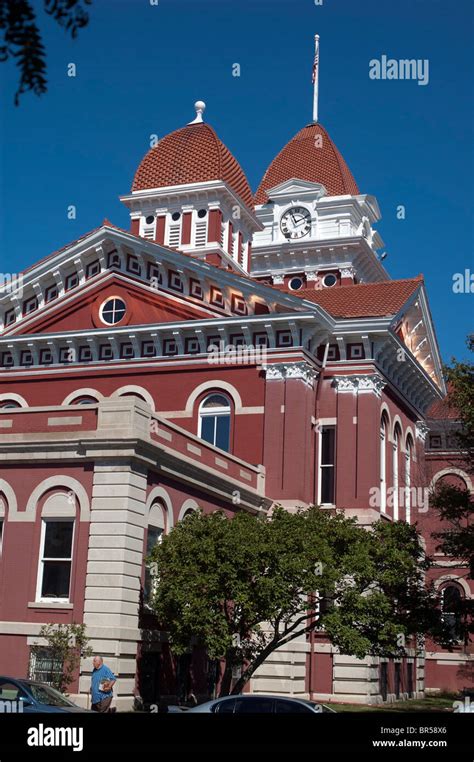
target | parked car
x=260, y=704
x=31, y=697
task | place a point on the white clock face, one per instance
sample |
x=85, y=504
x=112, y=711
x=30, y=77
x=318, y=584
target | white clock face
x=295, y=222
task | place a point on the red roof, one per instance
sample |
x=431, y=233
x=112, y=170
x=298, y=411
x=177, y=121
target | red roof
x=362, y=299
x=442, y=409
x=310, y=155
x=192, y=154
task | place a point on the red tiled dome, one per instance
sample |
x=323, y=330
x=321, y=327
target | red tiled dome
x=191, y=154
x=304, y=159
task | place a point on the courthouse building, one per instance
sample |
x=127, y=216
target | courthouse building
x=230, y=351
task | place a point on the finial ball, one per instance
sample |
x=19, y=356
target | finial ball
x=199, y=105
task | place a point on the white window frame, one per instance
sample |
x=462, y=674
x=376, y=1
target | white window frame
x=323, y=426
x=408, y=459
x=2, y=532
x=42, y=559
x=395, y=462
x=214, y=412
x=383, y=463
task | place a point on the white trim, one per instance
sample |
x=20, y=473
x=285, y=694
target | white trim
x=213, y=385
x=44, y=486
x=9, y=493
x=188, y=505
x=83, y=392
x=139, y=390
x=14, y=398
x=452, y=472
x=452, y=578
x=159, y=493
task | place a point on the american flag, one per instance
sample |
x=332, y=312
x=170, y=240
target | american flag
x=316, y=61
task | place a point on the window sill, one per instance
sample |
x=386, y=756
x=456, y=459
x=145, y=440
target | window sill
x=50, y=605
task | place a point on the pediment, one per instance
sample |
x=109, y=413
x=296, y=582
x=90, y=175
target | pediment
x=299, y=187
x=83, y=310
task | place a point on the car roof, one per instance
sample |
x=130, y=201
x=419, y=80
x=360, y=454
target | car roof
x=23, y=680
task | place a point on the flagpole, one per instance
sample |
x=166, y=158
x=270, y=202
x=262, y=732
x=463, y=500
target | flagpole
x=316, y=78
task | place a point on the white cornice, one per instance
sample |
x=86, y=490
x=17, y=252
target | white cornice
x=189, y=189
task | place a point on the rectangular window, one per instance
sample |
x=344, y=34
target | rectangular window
x=43, y=667
x=327, y=467
x=435, y=441
x=54, y=574
x=1, y=536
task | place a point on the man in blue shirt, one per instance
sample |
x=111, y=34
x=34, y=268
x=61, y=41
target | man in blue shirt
x=102, y=682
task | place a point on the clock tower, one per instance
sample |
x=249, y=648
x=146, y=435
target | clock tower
x=317, y=226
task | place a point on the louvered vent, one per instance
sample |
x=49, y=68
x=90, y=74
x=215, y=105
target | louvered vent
x=174, y=236
x=201, y=227
x=149, y=232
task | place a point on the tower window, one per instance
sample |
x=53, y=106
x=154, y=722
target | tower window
x=202, y=213
x=150, y=219
x=175, y=216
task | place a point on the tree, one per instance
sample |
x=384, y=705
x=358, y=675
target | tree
x=219, y=579
x=21, y=37
x=455, y=504
x=66, y=644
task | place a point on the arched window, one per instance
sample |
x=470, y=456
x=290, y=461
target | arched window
x=155, y=530
x=383, y=462
x=396, y=458
x=451, y=605
x=85, y=400
x=9, y=404
x=408, y=460
x=214, y=421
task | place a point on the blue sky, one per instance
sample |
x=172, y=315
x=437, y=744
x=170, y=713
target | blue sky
x=141, y=67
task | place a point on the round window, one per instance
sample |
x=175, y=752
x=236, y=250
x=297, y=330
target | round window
x=329, y=280
x=150, y=219
x=202, y=213
x=295, y=284
x=113, y=310
x=175, y=216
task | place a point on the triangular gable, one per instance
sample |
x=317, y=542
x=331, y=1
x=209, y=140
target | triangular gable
x=82, y=310
x=208, y=288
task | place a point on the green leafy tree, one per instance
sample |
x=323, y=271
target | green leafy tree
x=455, y=505
x=20, y=37
x=244, y=586
x=66, y=644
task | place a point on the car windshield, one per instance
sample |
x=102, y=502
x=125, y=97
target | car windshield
x=47, y=695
